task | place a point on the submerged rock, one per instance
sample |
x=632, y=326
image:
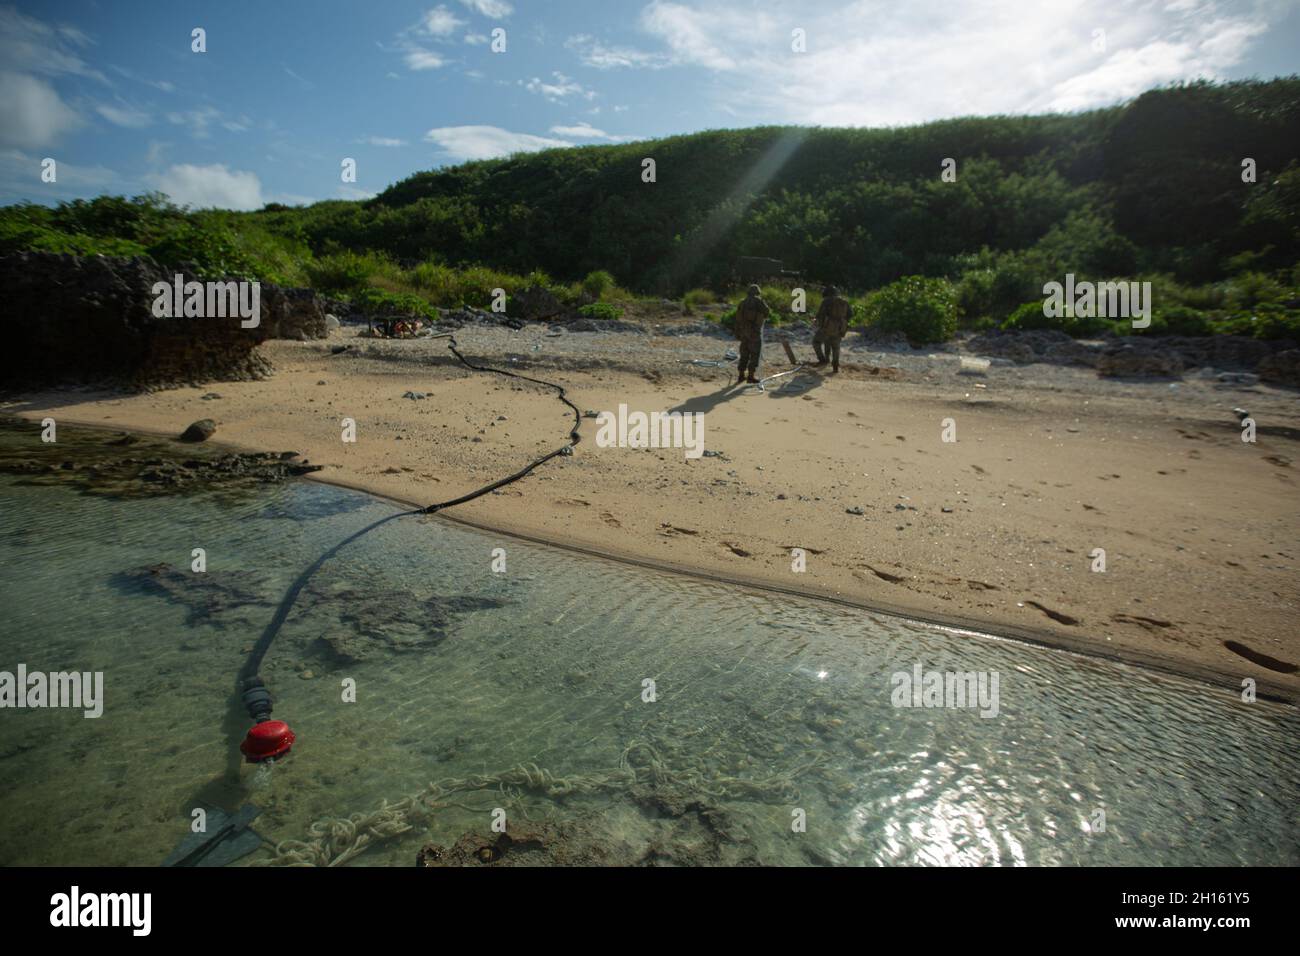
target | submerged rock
x=208, y=596
x=387, y=620
x=132, y=466
x=685, y=831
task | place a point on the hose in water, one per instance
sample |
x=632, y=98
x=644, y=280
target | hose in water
x=256, y=698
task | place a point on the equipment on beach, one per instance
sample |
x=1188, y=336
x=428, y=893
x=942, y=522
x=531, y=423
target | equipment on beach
x=763, y=381
x=271, y=739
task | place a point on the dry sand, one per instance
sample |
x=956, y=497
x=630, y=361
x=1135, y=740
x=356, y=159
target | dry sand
x=1199, y=528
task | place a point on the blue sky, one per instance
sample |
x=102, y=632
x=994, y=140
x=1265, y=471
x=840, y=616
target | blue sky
x=288, y=88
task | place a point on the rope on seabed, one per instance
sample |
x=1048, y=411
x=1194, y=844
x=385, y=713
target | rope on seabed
x=334, y=841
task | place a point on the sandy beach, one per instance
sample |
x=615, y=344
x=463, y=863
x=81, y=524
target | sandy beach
x=995, y=531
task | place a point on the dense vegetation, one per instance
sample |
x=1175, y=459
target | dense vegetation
x=1153, y=189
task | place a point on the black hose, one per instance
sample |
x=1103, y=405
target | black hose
x=257, y=699
x=563, y=450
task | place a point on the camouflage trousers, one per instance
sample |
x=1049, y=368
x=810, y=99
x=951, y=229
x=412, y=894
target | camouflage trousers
x=751, y=350
x=827, y=349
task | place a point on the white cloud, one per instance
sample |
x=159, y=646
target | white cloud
x=440, y=22
x=496, y=9
x=306, y=84
x=32, y=114
x=125, y=116
x=476, y=39
x=354, y=192
x=421, y=59
x=206, y=187
x=201, y=121
x=435, y=26
x=164, y=85
x=459, y=143
x=695, y=36
x=560, y=89
x=594, y=53
x=31, y=46
x=382, y=141
x=873, y=64
x=585, y=131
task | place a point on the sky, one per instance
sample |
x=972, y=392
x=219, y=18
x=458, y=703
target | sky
x=287, y=90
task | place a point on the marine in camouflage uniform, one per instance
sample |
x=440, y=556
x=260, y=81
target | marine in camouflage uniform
x=832, y=326
x=751, y=314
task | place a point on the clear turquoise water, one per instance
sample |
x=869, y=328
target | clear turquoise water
x=545, y=664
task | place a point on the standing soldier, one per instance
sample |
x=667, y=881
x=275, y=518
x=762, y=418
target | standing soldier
x=832, y=326
x=750, y=316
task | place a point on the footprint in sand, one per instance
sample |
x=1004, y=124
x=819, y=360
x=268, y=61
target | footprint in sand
x=1263, y=660
x=885, y=575
x=1054, y=615
x=610, y=520
x=573, y=502
x=670, y=529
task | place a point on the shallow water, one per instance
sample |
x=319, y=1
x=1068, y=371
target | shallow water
x=765, y=706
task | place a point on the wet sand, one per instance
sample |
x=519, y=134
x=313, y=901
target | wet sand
x=994, y=531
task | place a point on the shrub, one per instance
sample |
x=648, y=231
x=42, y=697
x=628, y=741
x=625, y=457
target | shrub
x=698, y=297
x=1265, y=322
x=345, y=271
x=975, y=294
x=600, y=310
x=211, y=252
x=1251, y=289
x=379, y=302
x=1030, y=316
x=925, y=310
x=1179, y=320
x=598, y=283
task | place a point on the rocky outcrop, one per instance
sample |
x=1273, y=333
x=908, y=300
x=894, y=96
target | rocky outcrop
x=293, y=313
x=535, y=304
x=1129, y=360
x=1038, y=345
x=1233, y=352
x=1165, y=356
x=90, y=319
x=1283, y=368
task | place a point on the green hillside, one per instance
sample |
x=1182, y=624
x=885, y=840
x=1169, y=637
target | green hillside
x=1151, y=188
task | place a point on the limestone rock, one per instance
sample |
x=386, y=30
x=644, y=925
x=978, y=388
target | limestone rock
x=201, y=430
x=90, y=319
x=1282, y=368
